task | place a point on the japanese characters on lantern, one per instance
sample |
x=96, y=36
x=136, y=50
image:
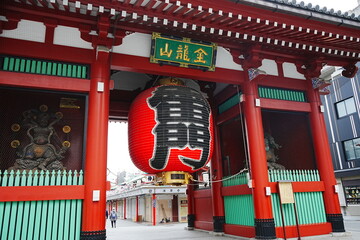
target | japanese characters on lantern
x=170, y=129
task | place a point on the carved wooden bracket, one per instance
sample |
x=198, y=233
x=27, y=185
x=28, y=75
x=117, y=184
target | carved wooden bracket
x=311, y=68
x=105, y=33
x=251, y=56
x=236, y=53
x=350, y=70
x=11, y=24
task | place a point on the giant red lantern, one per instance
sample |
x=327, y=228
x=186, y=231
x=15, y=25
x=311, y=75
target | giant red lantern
x=170, y=129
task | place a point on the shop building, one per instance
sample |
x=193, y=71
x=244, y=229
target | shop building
x=342, y=122
x=152, y=204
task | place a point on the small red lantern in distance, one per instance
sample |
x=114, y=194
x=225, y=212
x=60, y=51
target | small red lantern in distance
x=170, y=130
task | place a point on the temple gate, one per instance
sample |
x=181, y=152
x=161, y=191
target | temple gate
x=68, y=66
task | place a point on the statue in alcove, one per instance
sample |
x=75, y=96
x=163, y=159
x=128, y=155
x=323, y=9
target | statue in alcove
x=271, y=158
x=42, y=153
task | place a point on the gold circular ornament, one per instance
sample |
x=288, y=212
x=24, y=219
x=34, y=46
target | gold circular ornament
x=15, y=127
x=15, y=144
x=66, y=129
x=59, y=115
x=66, y=144
x=43, y=108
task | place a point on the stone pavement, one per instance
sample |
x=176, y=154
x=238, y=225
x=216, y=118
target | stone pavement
x=128, y=230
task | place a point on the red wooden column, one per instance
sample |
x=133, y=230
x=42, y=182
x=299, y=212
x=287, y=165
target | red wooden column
x=93, y=222
x=191, y=207
x=324, y=160
x=216, y=176
x=153, y=202
x=264, y=221
x=124, y=208
x=175, y=208
x=137, y=209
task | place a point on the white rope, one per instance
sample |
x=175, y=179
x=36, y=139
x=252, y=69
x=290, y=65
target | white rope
x=221, y=180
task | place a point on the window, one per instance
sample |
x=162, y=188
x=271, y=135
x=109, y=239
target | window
x=352, y=149
x=345, y=107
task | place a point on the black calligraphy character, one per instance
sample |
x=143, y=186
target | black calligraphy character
x=182, y=116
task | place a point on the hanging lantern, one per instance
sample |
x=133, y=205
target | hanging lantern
x=170, y=132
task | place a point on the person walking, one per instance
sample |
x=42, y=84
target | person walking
x=113, y=218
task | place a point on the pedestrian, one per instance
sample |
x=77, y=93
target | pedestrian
x=106, y=214
x=113, y=218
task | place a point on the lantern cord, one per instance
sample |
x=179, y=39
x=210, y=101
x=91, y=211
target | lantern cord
x=155, y=81
x=221, y=180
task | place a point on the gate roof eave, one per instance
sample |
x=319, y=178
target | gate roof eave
x=280, y=28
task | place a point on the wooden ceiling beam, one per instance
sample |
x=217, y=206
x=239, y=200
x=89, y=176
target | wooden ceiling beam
x=191, y=14
x=180, y=12
x=150, y=5
x=52, y=3
x=64, y=4
x=137, y=3
x=126, y=2
x=161, y=7
x=173, y=8
x=33, y=2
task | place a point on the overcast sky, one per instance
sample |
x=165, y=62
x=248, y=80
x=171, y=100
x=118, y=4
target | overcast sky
x=118, y=156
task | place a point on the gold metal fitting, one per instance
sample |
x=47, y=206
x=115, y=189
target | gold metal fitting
x=173, y=178
x=170, y=81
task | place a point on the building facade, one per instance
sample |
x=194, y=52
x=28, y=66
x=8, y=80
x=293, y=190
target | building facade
x=343, y=124
x=150, y=203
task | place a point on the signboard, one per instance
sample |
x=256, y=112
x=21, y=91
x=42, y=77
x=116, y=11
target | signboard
x=183, y=203
x=182, y=52
x=286, y=192
x=352, y=194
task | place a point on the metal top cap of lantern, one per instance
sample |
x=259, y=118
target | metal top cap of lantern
x=169, y=81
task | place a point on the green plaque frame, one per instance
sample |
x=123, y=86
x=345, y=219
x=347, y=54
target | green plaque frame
x=182, y=52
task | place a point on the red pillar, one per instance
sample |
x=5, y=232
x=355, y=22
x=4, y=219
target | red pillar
x=137, y=209
x=93, y=221
x=264, y=221
x=217, y=175
x=153, y=209
x=324, y=160
x=124, y=208
x=191, y=205
x=175, y=208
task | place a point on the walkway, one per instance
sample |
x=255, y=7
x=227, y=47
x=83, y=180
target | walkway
x=128, y=230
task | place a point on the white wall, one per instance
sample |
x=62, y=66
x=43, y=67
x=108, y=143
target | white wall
x=69, y=36
x=27, y=30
